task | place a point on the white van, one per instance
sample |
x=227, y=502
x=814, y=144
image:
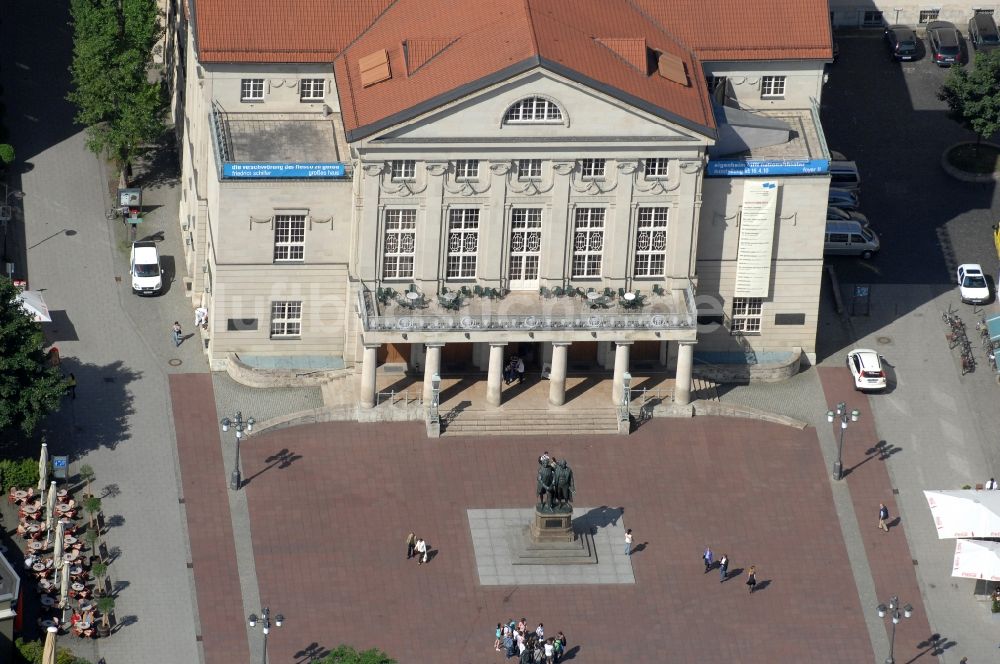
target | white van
x=144, y=266
x=850, y=238
x=845, y=175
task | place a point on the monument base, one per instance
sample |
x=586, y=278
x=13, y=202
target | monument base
x=550, y=540
x=552, y=527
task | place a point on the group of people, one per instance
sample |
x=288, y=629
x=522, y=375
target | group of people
x=708, y=557
x=416, y=547
x=514, y=639
x=514, y=370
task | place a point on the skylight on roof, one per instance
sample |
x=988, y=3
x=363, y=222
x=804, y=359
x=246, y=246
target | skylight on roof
x=375, y=68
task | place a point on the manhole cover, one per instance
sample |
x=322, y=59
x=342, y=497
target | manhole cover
x=175, y=362
x=883, y=340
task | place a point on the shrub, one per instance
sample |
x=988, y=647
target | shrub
x=996, y=606
x=6, y=153
x=21, y=473
x=31, y=653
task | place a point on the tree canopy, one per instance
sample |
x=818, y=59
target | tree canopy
x=347, y=655
x=112, y=51
x=29, y=387
x=973, y=94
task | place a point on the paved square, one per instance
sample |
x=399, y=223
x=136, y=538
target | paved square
x=329, y=531
x=492, y=530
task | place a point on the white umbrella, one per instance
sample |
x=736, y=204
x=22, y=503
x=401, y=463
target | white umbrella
x=977, y=559
x=43, y=467
x=50, y=508
x=49, y=651
x=32, y=302
x=64, y=586
x=965, y=513
x=58, y=552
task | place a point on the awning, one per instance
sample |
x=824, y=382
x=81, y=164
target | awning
x=977, y=559
x=965, y=513
x=993, y=327
x=32, y=302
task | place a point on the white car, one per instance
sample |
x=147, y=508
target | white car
x=972, y=284
x=866, y=367
x=144, y=267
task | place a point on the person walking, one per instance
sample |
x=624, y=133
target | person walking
x=628, y=542
x=883, y=515
x=992, y=484
x=411, y=544
x=550, y=651
x=71, y=384
x=519, y=370
x=177, y=334
x=421, y=548
x=723, y=567
x=707, y=558
x=752, y=578
x=499, y=632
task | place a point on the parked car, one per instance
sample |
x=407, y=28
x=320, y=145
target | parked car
x=902, y=42
x=849, y=238
x=866, y=368
x=972, y=284
x=843, y=199
x=144, y=267
x=840, y=214
x=946, y=43
x=844, y=175
x=983, y=33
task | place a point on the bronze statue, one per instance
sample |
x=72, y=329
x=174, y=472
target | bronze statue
x=564, y=486
x=545, y=486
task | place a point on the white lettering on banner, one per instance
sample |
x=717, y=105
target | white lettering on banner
x=753, y=262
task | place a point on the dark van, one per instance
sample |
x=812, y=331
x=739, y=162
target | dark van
x=983, y=32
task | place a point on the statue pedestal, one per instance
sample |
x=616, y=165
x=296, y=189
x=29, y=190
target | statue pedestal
x=550, y=540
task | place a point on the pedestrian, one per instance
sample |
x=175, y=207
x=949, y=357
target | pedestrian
x=752, y=578
x=540, y=631
x=883, y=514
x=496, y=643
x=71, y=384
x=527, y=655
x=992, y=484
x=411, y=544
x=201, y=317
x=560, y=644
x=628, y=542
x=707, y=558
x=519, y=370
x=421, y=547
x=723, y=567
x=177, y=334
x=550, y=651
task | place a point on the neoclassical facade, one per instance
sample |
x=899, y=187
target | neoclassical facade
x=444, y=198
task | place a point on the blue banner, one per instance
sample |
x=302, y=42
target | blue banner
x=267, y=170
x=765, y=167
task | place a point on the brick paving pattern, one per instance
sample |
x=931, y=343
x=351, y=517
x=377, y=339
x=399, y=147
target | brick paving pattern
x=328, y=528
x=868, y=479
x=213, y=552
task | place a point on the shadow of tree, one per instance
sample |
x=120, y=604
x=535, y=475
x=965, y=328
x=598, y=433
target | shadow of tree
x=311, y=653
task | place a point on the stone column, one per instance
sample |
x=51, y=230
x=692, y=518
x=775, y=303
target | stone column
x=432, y=365
x=682, y=380
x=557, y=375
x=495, y=374
x=621, y=368
x=368, y=365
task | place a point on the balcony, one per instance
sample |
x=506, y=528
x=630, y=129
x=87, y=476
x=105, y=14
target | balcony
x=522, y=315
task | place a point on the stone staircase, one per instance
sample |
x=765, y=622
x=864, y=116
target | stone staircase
x=703, y=389
x=523, y=422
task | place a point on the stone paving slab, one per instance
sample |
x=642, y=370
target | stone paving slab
x=262, y=403
x=490, y=531
x=329, y=527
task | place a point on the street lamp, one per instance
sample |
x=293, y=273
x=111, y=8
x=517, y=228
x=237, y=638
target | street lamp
x=265, y=625
x=893, y=611
x=239, y=424
x=842, y=413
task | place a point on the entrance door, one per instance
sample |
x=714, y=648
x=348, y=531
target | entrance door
x=393, y=354
x=525, y=248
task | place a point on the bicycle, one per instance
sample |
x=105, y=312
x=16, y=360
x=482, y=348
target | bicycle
x=968, y=364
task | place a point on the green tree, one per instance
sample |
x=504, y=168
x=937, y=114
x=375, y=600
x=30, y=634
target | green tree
x=347, y=655
x=973, y=95
x=29, y=387
x=112, y=51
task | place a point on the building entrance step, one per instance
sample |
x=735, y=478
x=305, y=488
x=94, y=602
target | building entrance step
x=528, y=422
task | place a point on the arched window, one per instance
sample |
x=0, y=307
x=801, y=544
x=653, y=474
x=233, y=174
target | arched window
x=533, y=109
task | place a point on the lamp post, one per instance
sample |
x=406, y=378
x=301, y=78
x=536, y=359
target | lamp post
x=265, y=626
x=841, y=412
x=893, y=611
x=239, y=424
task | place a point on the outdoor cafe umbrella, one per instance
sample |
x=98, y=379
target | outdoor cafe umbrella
x=50, y=508
x=64, y=586
x=43, y=467
x=57, y=554
x=49, y=651
x=32, y=302
x=965, y=513
x=977, y=559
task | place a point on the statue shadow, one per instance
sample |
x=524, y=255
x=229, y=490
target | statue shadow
x=597, y=518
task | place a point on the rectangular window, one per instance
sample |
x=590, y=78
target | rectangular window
x=286, y=319
x=873, y=19
x=289, y=237
x=988, y=12
x=656, y=168
x=529, y=169
x=403, y=169
x=592, y=169
x=588, y=242
x=651, y=242
x=312, y=89
x=400, y=244
x=746, y=315
x=252, y=89
x=466, y=170
x=463, y=243
x=926, y=16
x=772, y=86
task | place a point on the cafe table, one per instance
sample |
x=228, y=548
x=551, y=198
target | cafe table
x=47, y=600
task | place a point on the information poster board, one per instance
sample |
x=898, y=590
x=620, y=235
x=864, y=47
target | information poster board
x=753, y=262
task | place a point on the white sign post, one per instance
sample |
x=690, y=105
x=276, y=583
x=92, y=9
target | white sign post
x=753, y=262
